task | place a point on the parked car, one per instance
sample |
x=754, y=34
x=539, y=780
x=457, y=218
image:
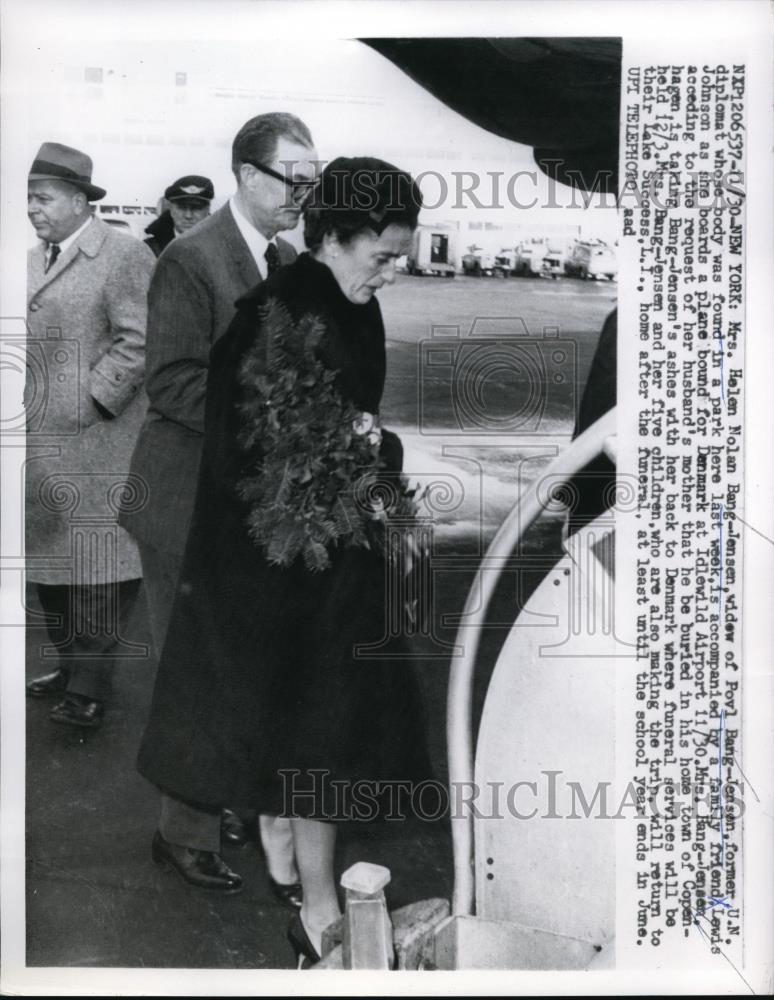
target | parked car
x=529, y=259
x=592, y=261
x=478, y=263
x=504, y=262
x=553, y=264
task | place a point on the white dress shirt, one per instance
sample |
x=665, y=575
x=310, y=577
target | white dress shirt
x=256, y=241
x=64, y=245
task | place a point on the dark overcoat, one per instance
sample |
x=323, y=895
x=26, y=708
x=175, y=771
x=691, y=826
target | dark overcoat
x=259, y=674
x=160, y=232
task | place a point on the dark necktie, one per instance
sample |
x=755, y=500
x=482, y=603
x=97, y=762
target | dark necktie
x=272, y=258
x=54, y=251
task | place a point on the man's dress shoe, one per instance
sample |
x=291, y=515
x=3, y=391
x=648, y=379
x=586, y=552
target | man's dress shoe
x=76, y=710
x=203, y=869
x=232, y=830
x=290, y=895
x=53, y=683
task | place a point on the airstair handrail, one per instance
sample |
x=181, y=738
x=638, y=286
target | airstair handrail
x=459, y=735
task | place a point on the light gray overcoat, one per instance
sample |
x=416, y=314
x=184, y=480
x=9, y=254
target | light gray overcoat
x=86, y=341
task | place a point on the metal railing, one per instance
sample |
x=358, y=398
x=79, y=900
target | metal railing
x=598, y=439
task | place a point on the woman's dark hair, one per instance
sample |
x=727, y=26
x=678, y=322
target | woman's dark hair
x=357, y=193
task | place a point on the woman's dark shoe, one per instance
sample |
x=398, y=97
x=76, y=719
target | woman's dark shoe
x=53, y=683
x=203, y=869
x=290, y=895
x=232, y=830
x=303, y=949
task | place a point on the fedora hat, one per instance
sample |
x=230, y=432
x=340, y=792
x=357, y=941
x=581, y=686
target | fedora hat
x=56, y=162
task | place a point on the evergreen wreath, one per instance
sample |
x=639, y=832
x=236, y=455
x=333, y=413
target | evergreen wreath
x=310, y=480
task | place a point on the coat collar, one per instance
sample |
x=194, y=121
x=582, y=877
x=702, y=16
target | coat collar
x=313, y=285
x=237, y=247
x=240, y=251
x=92, y=239
x=89, y=243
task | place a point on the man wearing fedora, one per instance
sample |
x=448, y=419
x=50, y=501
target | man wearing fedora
x=187, y=203
x=86, y=314
x=195, y=285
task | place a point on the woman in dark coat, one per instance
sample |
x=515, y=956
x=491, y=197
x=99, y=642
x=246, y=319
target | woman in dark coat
x=263, y=699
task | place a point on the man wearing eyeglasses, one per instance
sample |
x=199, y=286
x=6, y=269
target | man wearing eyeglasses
x=197, y=280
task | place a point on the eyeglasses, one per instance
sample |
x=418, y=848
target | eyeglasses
x=300, y=190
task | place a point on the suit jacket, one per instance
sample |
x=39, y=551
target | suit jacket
x=86, y=342
x=191, y=302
